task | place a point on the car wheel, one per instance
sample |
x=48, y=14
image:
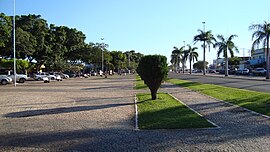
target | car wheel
x=4, y=82
x=52, y=78
x=21, y=80
x=39, y=79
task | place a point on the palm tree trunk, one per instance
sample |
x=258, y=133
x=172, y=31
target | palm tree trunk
x=226, y=67
x=190, y=66
x=204, y=66
x=183, y=66
x=267, y=58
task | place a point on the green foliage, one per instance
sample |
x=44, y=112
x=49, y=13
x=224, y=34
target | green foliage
x=256, y=101
x=226, y=47
x=57, y=47
x=199, y=65
x=178, y=57
x=139, y=84
x=234, y=61
x=153, y=70
x=118, y=59
x=166, y=113
x=21, y=65
x=208, y=39
x=191, y=55
x=5, y=30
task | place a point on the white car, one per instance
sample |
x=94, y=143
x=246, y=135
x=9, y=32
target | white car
x=58, y=77
x=46, y=80
x=5, y=79
x=41, y=75
x=21, y=78
x=65, y=76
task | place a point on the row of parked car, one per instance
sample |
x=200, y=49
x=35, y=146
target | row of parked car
x=47, y=77
x=42, y=76
x=255, y=72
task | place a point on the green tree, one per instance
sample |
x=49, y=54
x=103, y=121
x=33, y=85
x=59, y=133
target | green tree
x=235, y=61
x=205, y=37
x=118, y=60
x=153, y=70
x=177, y=58
x=261, y=35
x=191, y=55
x=200, y=65
x=25, y=44
x=21, y=65
x=226, y=46
x=6, y=35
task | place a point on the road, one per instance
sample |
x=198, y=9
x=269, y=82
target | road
x=247, y=83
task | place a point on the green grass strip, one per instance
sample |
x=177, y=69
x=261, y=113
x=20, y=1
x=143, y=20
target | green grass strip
x=166, y=113
x=255, y=101
x=139, y=84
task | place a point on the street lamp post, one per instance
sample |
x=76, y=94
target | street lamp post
x=102, y=49
x=183, y=68
x=14, y=45
x=204, y=66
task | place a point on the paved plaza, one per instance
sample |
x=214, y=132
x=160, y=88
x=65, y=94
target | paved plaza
x=97, y=114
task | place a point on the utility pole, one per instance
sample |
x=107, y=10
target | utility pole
x=14, y=45
x=102, y=50
x=204, y=67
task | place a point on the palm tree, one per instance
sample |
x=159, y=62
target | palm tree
x=205, y=37
x=177, y=56
x=225, y=45
x=191, y=55
x=174, y=59
x=261, y=35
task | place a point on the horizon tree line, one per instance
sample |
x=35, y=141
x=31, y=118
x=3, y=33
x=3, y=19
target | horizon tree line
x=57, y=47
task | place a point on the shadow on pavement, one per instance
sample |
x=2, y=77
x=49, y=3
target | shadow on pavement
x=31, y=113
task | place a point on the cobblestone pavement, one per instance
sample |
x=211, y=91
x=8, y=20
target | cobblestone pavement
x=97, y=114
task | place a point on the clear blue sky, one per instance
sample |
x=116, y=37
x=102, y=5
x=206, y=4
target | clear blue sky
x=149, y=26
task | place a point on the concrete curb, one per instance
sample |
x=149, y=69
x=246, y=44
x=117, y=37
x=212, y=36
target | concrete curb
x=136, y=113
x=255, y=113
x=231, y=104
x=216, y=126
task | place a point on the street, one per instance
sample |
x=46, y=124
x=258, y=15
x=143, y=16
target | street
x=241, y=82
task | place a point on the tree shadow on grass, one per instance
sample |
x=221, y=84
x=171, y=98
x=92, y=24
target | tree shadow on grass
x=259, y=103
x=187, y=84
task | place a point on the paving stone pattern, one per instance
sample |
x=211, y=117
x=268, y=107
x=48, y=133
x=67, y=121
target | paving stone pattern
x=97, y=114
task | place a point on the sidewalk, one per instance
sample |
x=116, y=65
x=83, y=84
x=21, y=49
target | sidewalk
x=239, y=129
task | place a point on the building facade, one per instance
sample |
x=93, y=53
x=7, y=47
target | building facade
x=258, y=57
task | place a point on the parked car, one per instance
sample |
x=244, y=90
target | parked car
x=245, y=71
x=58, y=76
x=65, y=76
x=212, y=71
x=259, y=71
x=93, y=73
x=21, y=78
x=239, y=71
x=41, y=75
x=46, y=80
x=5, y=79
x=232, y=71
